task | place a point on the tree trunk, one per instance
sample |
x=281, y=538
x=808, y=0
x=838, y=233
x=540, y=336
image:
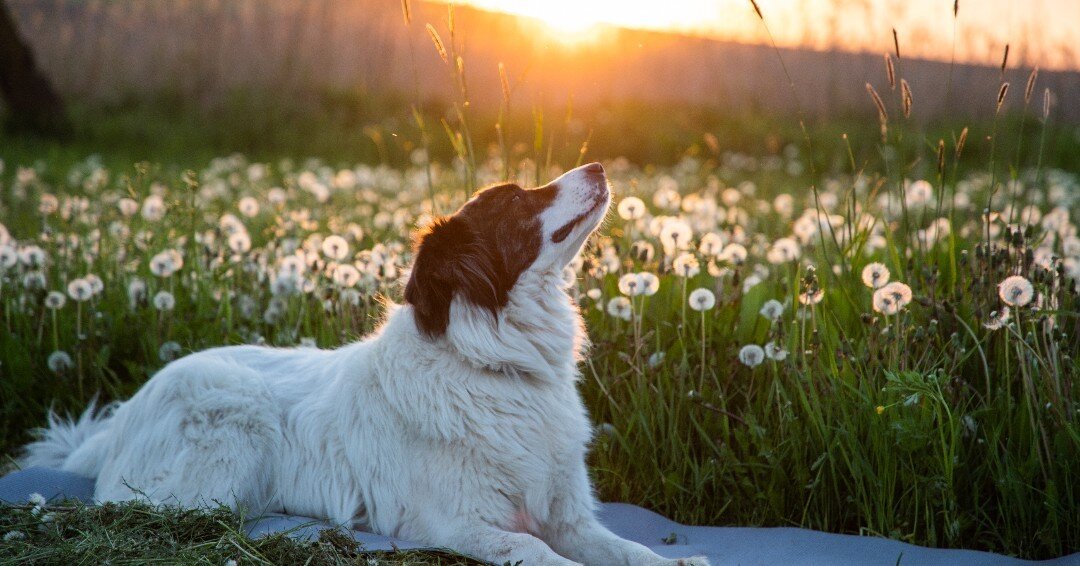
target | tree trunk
x=32, y=104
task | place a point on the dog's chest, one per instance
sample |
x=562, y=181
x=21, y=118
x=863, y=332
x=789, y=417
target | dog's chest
x=527, y=451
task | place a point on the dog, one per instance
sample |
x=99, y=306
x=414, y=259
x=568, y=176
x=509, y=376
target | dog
x=456, y=424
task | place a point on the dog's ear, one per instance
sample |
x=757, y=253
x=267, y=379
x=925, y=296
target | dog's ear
x=451, y=260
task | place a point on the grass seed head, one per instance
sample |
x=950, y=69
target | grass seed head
x=1030, y=85
x=438, y=43
x=890, y=71
x=1004, y=90
x=960, y=142
x=905, y=91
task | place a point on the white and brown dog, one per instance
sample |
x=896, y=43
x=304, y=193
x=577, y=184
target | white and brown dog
x=457, y=424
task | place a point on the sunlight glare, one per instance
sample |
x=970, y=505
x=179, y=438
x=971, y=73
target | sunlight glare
x=569, y=22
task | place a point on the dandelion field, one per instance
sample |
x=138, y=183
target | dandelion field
x=875, y=355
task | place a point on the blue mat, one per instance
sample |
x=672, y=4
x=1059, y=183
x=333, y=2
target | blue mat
x=723, y=545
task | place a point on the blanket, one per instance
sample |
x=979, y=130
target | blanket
x=722, y=545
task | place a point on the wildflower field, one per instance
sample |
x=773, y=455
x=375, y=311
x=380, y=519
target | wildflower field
x=886, y=351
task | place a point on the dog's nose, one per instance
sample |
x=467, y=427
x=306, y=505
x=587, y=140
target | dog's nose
x=594, y=169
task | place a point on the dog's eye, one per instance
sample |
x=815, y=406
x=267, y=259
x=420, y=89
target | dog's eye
x=516, y=197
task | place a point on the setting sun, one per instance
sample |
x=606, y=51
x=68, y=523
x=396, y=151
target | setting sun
x=925, y=27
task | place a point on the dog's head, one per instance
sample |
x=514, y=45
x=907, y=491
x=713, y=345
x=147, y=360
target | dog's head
x=480, y=252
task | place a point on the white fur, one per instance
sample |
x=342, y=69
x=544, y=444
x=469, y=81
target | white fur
x=473, y=441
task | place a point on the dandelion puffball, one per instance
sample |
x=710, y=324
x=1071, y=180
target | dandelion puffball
x=1016, y=291
x=649, y=282
x=335, y=247
x=751, y=355
x=875, y=275
x=686, y=265
x=783, y=250
x=702, y=299
x=631, y=208
x=80, y=290
x=675, y=235
x=619, y=307
x=55, y=300
x=891, y=298
x=772, y=310
x=630, y=285
x=164, y=301
x=774, y=352
x=169, y=351
x=59, y=362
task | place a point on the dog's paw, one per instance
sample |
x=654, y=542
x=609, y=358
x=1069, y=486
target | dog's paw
x=692, y=561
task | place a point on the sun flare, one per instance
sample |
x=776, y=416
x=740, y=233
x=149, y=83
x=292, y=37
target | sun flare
x=568, y=22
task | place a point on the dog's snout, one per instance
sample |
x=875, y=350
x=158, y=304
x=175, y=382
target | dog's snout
x=593, y=169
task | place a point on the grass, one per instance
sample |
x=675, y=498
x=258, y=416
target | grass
x=129, y=533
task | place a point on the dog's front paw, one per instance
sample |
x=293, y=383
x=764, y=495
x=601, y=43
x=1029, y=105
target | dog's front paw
x=692, y=561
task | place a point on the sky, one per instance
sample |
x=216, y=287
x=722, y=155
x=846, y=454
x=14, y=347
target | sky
x=1040, y=32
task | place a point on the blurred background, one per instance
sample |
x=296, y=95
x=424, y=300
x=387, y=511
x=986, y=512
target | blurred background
x=339, y=78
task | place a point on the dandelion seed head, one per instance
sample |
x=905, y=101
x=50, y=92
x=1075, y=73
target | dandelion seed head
x=631, y=208
x=55, y=300
x=920, y=193
x=240, y=242
x=59, y=362
x=346, y=276
x=702, y=299
x=875, y=275
x=783, y=250
x=80, y=290
x=248, y=206
x=640, y=250
x=891, y=298
x=48, y=204
x=686, y=265
x=32, y=256
x=649, y=283
x=775, y=352
x=34, y=280
x=772, y=310
x=169, y=351
x=1016, y=291
x=619, y=307
x=164, y=301
x=97, y=286
x=630, y=285
x=127, y=206
x=711, y=244
x=751, y=355
x=335, y=247
x=675, y=235
x=163, y=264
x=8, y=257
x=153, y=208
x=734, y=253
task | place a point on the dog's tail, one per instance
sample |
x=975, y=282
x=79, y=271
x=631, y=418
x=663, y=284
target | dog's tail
x=68, y=444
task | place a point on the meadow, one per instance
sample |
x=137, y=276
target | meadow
x=883, y=353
